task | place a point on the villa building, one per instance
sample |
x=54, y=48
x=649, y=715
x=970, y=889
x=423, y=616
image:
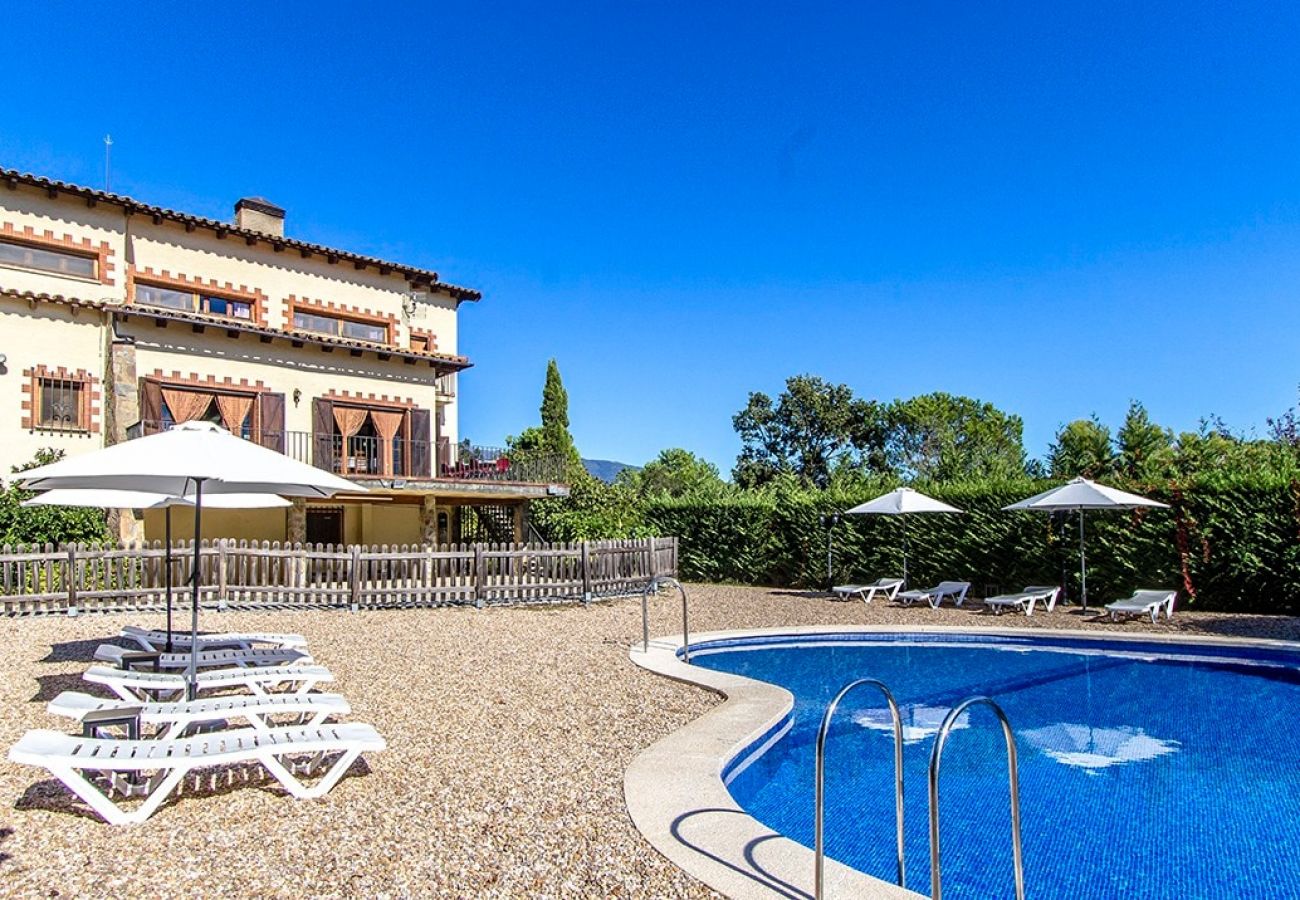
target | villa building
x=118, y=318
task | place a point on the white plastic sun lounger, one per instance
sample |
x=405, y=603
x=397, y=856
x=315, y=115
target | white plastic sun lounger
x=171, y=719
x=207, y=659
x=887, y=586
x=1026, y=600
x=149, y=639
x=934, y=596
x=162, y=686
x=1144, y=603
x=67, y=758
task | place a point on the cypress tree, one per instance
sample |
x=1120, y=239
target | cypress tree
x=555, y=415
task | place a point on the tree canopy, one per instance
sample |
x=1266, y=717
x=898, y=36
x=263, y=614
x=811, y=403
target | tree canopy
x=942, y=437
x=813, y=427
x=674, y=473
x=1082, y=447
x=815, y=431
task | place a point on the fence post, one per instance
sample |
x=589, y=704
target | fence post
x=70, y=579
x=586, y=572
x=355, y=578
x=654, y=563
x=222, y=576
x=480, y=576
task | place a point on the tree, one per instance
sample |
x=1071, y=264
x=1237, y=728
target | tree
x=555, y=437
x=1145, y=449
x=812, y=428
x=941, y=437
x=46, y=524
x=1082, y=447
x=674, y=473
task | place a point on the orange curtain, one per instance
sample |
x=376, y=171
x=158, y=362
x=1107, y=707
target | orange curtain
x=349, y=419
x=234, y=410
x=186, y=406
x=386, y=425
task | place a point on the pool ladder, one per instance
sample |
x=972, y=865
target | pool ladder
x=936, y=757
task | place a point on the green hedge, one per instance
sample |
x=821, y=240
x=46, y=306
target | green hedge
x=1231, y=546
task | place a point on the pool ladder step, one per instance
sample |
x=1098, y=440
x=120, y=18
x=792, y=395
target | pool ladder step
x=936, y=757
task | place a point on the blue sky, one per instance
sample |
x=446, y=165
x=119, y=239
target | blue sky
x=1052, y=207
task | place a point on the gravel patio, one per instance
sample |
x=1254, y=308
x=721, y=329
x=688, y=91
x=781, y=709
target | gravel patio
x=508, y=732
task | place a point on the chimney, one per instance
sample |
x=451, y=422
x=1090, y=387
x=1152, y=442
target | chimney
x=259, y=214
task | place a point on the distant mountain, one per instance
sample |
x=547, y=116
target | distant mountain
x=605, y=469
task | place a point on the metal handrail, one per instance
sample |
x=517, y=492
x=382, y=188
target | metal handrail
x=661, y=581
x=936, y=755
x=820, y=779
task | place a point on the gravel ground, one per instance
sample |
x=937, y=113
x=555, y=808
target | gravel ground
x=508, y=732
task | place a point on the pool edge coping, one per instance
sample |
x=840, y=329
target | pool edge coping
x=679, y=777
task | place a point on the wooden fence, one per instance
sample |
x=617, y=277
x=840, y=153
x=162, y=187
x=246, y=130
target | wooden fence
x=248, y=574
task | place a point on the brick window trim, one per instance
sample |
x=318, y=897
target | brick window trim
x=295, y=303
x=207, y=383
x=348, y=398
x=210, y=286
x=46, y=239
x=428, y=336
x=91, y=398
x=210, y=384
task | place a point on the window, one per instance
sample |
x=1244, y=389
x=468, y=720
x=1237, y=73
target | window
x=60, y=262
x=190, y=301
x=61, y=404
x=347, y=328
x=420, y=343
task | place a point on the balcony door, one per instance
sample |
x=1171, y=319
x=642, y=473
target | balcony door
x=369, y=441
x=360, y=441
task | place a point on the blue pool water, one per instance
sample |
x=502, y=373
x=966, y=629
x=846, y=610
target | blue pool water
x=1146, y=770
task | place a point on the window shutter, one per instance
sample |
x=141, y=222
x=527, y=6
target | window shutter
x=151, y=404
x=272, y=421
x=421, y=458
x=322, y=429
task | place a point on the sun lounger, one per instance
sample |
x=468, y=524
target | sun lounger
x=149, y=639
x=163, y=686
x=171, y=719
x=1026, y=600
x=887, y=586
x=68, y=758
x=1144, y=603
x=207, y=659
x=934, y=596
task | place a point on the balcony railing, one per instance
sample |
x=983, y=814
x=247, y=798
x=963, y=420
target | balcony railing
x=366, y=457
x=470, y=462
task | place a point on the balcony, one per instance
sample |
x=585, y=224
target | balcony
x=367, y=457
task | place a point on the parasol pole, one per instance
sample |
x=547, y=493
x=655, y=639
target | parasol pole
x=1083, y=564
x=193, y=688
x=905, y=548
x=167, y=534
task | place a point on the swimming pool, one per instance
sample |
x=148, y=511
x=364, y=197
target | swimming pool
x=1147, y=769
